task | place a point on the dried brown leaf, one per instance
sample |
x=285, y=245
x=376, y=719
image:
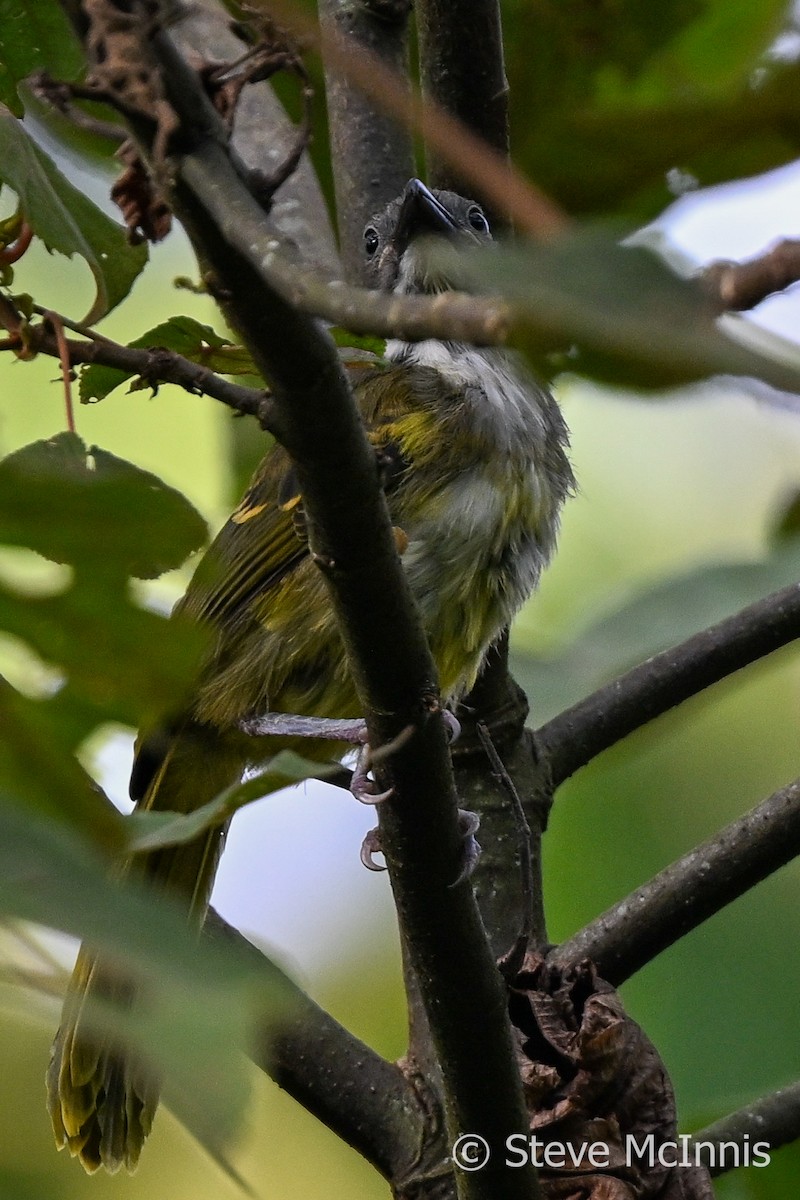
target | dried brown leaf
x=143, y=205
x=591, y=1076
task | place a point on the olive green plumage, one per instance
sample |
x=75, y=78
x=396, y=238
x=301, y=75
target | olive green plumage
x=476, y=478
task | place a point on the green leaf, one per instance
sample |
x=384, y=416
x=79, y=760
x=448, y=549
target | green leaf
x=155, y=830
x=683, y=83
x=203, y=996
x=715, y=53
x=30, y=1185
x=366, y=343
x=40, y=777
x=619, y=314
x=106, y=518
x=123, y=663
x=199, y=343
x=85, y=506
x=34, y=35
x=65, y=219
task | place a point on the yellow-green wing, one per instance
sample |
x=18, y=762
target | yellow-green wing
x=261, y=541
x=264, y=538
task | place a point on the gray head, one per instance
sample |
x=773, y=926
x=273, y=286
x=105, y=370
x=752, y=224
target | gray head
x=396, y=259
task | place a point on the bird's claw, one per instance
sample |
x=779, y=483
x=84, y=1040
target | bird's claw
x=372, y=845
x=468, y=824
x=362, y=787
x=452, y=726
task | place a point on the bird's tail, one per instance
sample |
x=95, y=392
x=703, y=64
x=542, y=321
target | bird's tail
x=101, y=1101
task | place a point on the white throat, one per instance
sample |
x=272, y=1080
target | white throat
x=505, y=402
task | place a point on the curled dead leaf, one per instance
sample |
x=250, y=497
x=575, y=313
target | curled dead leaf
x=592, y=1077
x=143, y=205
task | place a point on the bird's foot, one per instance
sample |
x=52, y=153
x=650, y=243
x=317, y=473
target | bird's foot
x=452, y=725
x=363, y=788
x=372, y=845
x=468, y=823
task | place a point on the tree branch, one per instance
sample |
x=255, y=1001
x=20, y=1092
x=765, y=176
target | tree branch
x=371, y=152
x=462, y=69
x=490, y=176
x=680, y=898
x=350, y=532
x=576, y=736
x=774, y=1119
x=741, y=285
x=367, y=1101
x=263, y=136
x=154, y=367
x=386, y=648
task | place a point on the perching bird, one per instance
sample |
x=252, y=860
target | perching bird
x=478, y=475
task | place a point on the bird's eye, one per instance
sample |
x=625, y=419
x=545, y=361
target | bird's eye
x=477, y=220
x=371, y=240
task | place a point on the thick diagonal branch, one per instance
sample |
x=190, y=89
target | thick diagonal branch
x=576, y=736
x=350, y=1088
x=688, y=892
x=388, y=655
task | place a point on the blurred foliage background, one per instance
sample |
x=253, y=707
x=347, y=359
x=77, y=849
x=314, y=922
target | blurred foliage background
x=676, y=524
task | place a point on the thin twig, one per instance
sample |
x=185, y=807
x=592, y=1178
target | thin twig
x=678, y=899
x=15, y=250
x=154, y=366
x=773, y=1120
x=62, y=348
x=736, y=286
x=579, y=734
x=512, y=960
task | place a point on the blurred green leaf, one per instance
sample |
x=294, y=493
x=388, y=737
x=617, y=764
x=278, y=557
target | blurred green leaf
x=41, y=778
x=87, y=507
x=203, y=996
x=603, y=106
x=14, y=1185
x=367, y=343
x=661, y=617
x=619, y=314
x=106, y=518
x=199, y=343
x=34, y=35
x=714, y=53
x=788, y=524
x=154, y=830
x=65, y=219
x=123, y=663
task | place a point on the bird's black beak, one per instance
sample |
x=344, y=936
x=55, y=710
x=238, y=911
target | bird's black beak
x=420, y=213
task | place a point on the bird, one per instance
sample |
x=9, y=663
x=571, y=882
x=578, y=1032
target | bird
x=475, y=466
